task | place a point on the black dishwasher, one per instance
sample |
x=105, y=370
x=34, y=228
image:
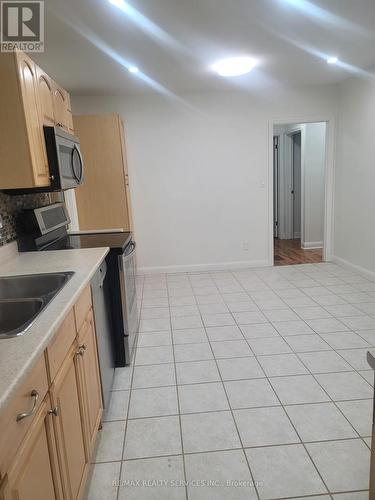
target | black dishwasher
x=103, y=326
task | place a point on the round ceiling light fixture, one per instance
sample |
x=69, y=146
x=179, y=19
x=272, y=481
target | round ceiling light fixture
x=133, y=69
x=234, y=66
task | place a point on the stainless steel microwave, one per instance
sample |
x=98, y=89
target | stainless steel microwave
x=65, y=162
x=64, y=159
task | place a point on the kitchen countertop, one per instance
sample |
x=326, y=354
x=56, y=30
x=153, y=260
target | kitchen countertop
x=19, y=354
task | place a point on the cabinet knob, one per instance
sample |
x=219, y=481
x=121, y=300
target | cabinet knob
x=81, y=350
x=55, y=411
x=35, y=395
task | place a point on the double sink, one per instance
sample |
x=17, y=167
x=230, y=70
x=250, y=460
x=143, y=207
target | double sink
x=23, y=298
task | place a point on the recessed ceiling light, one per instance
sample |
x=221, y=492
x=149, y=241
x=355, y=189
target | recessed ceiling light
x=234, y=66
x=332, y=60
x=133, y=69
x=118, y=3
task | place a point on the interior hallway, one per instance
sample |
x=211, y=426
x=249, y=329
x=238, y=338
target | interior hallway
x=287, y=252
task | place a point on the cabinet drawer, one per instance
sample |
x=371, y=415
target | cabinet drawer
x=82, y=307
x=59, y=347
x=86, y=325
x=27, y=401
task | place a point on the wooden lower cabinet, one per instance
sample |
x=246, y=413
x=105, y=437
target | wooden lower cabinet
x=89, y=383
x=35, y=473
x=68, y=427
x=47, y=453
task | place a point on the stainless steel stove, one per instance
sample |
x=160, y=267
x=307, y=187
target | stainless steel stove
x=46, y=229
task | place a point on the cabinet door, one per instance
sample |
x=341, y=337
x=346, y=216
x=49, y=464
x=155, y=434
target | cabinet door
x=126, y=172
x=34, y=474
x=45, y=94
x=28, y=83
x=63, y=113
x=104, y=173
x=69, y=114
x=68, y=428
x=89, y=382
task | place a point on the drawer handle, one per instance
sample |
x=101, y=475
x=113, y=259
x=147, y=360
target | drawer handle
x=55, y=411
x=81, y=350
x=20, y=416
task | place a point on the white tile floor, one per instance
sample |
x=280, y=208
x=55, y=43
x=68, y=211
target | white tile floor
x=250, y=384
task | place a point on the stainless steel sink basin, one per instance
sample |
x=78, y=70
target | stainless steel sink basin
x=31, y=286
x=17, y=315
x=22, y=299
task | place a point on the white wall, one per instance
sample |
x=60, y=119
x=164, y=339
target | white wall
x=313, y=170
x=199, y=176
x=354, y=240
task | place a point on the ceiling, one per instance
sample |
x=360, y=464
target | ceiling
x=90, y=43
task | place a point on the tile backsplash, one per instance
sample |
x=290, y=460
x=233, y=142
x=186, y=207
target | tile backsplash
x=11, y=206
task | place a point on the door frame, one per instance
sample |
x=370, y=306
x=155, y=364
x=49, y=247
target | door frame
x=328, y=181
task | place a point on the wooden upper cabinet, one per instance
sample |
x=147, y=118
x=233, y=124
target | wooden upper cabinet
x=61, y=103
x=103, y=201
x=35, y=473
x=69, y=115
x=29, y=95
x=45, y=95
x=125, y=162
x=29, y=99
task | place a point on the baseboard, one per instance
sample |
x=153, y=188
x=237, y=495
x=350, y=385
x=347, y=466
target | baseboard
x=354, y=267
x=311, y=245
x=220, y=266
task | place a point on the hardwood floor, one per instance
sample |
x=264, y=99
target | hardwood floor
x=287, y=252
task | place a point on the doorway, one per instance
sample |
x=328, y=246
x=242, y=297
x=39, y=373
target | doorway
x=296, y=185
x=299, y=160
